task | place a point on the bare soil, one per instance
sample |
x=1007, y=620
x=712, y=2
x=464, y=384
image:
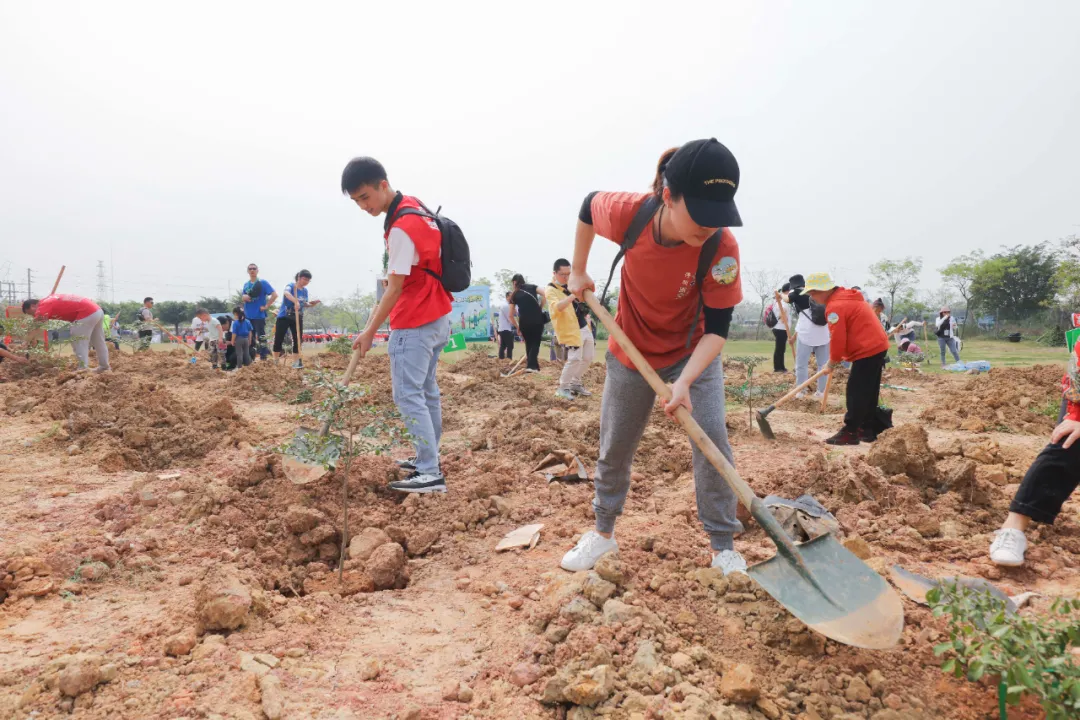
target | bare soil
x=155, y=561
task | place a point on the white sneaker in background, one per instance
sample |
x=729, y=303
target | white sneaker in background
x=590, y=548
x=800, y=395
x=819, y=395
x=1008, y=548
x=729, y=561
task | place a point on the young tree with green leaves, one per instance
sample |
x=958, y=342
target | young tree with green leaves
x=895, y=277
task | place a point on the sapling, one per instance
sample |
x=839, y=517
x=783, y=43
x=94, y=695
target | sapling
x=357, y=427
x=1022, y=654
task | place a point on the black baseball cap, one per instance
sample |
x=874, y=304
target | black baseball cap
x=706, y=174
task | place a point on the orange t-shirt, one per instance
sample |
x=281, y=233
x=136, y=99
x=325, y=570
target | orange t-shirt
x=855, y=332
x=657, y=293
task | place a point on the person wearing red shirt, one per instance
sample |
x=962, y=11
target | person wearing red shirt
x=679, y=326
x=855, y=335
x=418, y=307
x=85, y=317
x=1049, y=481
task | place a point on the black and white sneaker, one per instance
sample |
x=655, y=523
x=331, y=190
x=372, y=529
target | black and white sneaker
x=421, y=483
x=409, y=464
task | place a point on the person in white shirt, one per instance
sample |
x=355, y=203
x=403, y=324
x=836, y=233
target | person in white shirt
x=506, y=331
x=946, y=334
x=811, y=333
x=200, y=328
x=780, y=331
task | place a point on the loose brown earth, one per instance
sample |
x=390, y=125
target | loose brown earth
x=155, y=562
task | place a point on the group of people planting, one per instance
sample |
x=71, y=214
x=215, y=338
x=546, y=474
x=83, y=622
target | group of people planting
x=680, y=281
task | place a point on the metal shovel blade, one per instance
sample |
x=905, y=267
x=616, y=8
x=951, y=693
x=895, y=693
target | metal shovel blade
x=857, y=608
x=763, y=424
x=303, y=472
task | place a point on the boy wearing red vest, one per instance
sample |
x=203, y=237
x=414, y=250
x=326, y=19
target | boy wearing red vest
x=418, y=307
x=856, y=335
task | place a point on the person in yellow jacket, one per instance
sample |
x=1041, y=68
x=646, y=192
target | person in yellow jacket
x=571, y=331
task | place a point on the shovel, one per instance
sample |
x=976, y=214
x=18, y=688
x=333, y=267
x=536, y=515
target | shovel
x=760, y=415
x=299, y=346
x=820, y=582
x=513, y=369
x=299, y=471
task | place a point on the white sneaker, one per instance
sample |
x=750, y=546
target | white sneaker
x=1008, y=548
x=729, y=561
x=590, y=548
x=800, y=395
x=819, y=396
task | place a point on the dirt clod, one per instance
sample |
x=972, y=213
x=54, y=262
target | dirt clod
x=222, y=602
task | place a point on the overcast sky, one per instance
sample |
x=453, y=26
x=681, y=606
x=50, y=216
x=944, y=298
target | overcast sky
x=178, y=142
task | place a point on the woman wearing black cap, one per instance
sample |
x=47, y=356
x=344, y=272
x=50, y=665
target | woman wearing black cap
x=680, y=282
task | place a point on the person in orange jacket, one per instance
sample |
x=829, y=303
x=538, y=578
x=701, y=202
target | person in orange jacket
x=856, y=335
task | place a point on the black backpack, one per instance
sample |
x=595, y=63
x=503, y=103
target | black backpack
x=456, y=265
x=637, y=225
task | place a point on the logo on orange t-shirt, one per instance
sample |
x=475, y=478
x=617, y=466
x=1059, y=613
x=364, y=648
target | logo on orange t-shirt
x=725, y=271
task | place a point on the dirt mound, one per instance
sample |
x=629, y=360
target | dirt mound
x=264, y=380
x=1017, y=400
x=903, y=450
x=129, y=423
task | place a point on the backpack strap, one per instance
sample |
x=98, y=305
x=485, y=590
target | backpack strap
x=704, y=262
x=398, y=214
x=641, y=218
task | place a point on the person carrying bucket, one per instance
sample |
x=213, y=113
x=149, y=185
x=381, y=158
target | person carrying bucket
x=679, y=286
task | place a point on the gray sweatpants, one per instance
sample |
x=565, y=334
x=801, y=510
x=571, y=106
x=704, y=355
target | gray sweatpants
x=242, y=345
x=802, y=362
x=87, y=331
x=624, y=412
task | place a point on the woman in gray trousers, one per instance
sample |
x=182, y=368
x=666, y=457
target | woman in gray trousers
x=675, y=305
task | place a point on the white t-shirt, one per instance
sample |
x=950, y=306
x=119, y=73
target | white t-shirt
x=201, y=328
x=146, y=314
x=809, y=333
x=504, y=318
x=402, y=253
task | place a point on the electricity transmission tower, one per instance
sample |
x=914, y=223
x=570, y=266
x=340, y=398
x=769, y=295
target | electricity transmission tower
x=102, y=286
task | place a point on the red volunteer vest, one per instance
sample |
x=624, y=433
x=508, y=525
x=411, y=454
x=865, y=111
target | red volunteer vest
x=423, y=298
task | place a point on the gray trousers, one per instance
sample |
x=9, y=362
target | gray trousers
x=624, y=412
x=242, y=345
x=86, y=332
x=947, y=342
x=414, y=358
x=802, y=362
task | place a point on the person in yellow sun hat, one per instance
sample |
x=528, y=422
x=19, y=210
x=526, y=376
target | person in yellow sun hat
x=856, y=335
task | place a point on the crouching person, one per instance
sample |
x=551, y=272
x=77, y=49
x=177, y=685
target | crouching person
x=1049, y=481
x=85, y=317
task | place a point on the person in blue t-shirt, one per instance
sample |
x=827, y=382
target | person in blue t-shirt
x=286, y=316
x=242, y=330
x=258, y=296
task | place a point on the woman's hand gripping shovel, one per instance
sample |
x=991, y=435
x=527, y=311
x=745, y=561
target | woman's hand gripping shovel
x=309, y=443
x=820, y=581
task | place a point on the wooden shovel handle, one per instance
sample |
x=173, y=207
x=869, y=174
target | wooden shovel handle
x=825, y=398
x=348, y=379
x=697, y=435
x=57, y=283
x=796, y=390
x=299, y=349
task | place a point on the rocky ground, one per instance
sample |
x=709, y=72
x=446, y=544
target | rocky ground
x=156, y=562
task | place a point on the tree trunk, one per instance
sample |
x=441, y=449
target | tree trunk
x=760, y=322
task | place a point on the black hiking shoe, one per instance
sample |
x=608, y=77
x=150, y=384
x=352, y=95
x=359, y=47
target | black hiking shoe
x=421, y=483
x=867, y=436
x=844, y=437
